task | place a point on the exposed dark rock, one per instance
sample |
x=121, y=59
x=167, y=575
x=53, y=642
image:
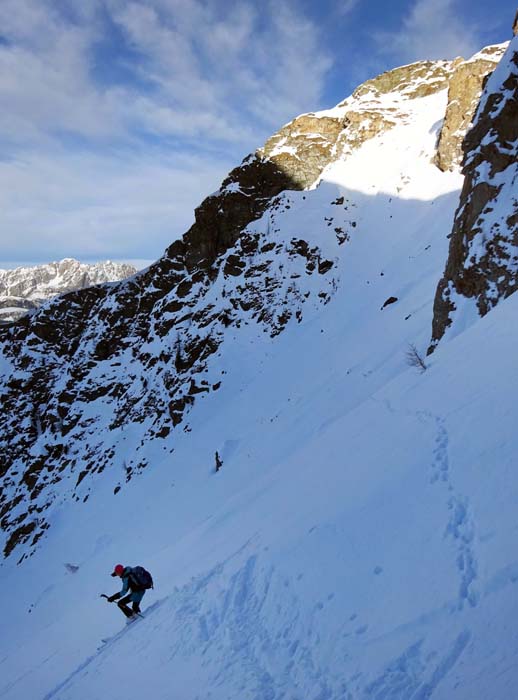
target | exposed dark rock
x=324, y=266
x=483, y=254
x=234, y=266
x=390, y=300
x=243, y=197
x=19, y=535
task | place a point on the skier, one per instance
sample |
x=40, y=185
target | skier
x=136, y=580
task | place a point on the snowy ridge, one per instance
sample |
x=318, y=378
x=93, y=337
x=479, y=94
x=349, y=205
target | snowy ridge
x=25, y=288
x=358, y=539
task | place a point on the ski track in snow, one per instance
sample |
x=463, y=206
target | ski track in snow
x=417, y=672
x=261, y=661
x=105, y=646
x=403, y=678
x=461, y=526
x=268, y=658
x=229, y=609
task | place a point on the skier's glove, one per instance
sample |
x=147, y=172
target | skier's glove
x=112, y=598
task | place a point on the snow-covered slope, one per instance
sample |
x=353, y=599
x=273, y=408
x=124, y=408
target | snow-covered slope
x=25, y=288
x=358, y=539
x=342, y=551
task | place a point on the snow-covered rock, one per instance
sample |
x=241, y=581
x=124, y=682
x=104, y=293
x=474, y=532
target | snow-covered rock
x=482, y=265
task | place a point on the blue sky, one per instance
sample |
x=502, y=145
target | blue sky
x=117, y=117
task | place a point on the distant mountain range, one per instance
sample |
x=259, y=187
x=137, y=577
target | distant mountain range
x=26, y=288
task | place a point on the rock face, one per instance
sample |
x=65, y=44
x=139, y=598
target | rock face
x=482, y=265
x=304, y=147
x=243, y=197
x=123, y=363
x=26, y=288
x=465, y=86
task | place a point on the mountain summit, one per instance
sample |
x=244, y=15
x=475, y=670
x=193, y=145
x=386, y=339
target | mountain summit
x=323, y=516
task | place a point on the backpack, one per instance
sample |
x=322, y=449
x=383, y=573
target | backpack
x=140, y=579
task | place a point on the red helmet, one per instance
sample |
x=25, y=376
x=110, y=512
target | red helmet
x=118, y=570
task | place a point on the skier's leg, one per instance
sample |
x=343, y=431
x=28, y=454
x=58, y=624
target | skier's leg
x=136, y=597
x=123, y=605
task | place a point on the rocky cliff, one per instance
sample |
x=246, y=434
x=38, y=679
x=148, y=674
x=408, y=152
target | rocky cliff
x=122, y=364
x=465, y=86
x=26, y=288
x=482, y=265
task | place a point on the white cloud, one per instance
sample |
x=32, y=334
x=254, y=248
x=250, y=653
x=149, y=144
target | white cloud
x=45, y=82
x=433, y=29
x=345, y=7
x=227, y=65
x=54, y=205
x=99, y=160
x=219, y=76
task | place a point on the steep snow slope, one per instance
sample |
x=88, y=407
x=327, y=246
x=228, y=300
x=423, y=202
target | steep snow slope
x=348, y=548
x=372, y=557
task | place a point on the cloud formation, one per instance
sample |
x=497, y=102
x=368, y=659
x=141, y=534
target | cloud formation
x=101, y=206
x=190, y=69
x=106, y=104
x=431, y=29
